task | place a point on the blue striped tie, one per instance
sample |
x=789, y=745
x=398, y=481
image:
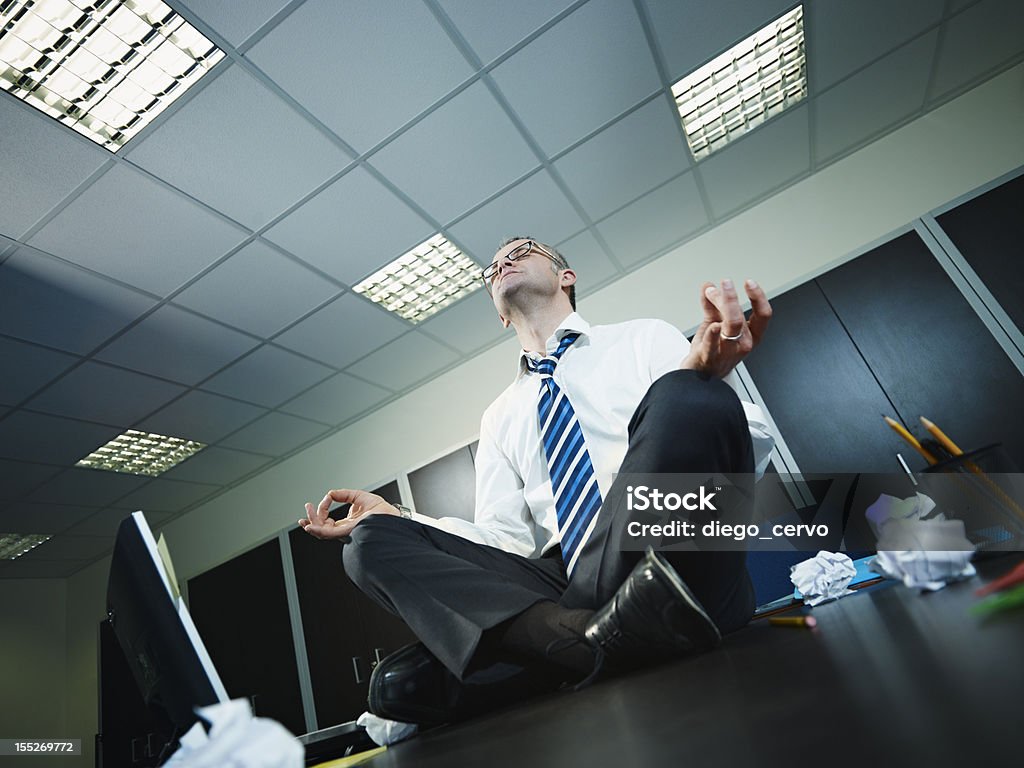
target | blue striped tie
x=577, y=497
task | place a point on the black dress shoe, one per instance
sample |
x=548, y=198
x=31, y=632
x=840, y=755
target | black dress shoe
x=412, y=686
x=652, y=617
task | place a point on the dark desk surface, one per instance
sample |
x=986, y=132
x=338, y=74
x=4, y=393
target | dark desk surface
x=889, y=676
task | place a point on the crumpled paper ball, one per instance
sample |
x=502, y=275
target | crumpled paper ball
x=825, y=576
x=922, y=553
x=237, y=740
x=385, y=732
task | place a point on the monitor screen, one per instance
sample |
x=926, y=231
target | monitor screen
x=167, y=658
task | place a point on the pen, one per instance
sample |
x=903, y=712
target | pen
x=939, y=435
x=902, y=432
x=793, y=621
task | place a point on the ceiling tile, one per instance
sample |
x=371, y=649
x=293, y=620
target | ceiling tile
x=35, y=366
x=385, y=62
x=161, y=495
x=873, y=99
x=134, y=229
x=588, y=260
x=250, y=155
x=268, y=376
x=405, y=361
x=275, y=434
x=73, y=548
x=258, y=290
x=17, y=477
x=89, y=487
x=447, y=162
x=105, y=522
x=201, y=416
x=491, y=27
x=234, y=21
x=39, y=569
x=43, y=161
x=98, y=392
x=215, y=465
x=627, y=159
x=582, y=72
x=841, y=37
x=177, y=345
x=336, y=400
x=352, y=228
x=692, y=33
x=469, y=324
x=47, y=301
x=535, y=207
x=759, y=162
x=343, y=331
x=28, y=517
x=655, y=221
x=50, y=439
x=977, y=41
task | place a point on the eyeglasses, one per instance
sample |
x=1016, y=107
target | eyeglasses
x=521, y=250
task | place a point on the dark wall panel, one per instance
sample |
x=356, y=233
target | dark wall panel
x=989, y=232
x=241, y=611
x=930, y=352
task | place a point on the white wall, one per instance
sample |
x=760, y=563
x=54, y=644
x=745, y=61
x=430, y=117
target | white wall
x=818, y=221
x=32, y=646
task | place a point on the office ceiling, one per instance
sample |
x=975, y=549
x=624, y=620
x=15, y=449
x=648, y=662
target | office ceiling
x=198, y=283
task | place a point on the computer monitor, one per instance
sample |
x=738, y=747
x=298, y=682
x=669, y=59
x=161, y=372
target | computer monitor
x=168, y=660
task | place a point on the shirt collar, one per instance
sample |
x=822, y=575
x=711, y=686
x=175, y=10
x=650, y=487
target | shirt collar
x=573, y=323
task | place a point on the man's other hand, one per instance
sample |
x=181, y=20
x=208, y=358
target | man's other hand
x=319, y=523
x=724, y=337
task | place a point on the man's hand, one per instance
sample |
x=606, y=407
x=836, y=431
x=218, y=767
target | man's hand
x=320, y=524
x=724, y=338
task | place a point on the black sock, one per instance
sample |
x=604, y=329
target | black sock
x=532, y=632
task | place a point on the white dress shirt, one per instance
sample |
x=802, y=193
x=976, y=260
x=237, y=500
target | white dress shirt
x=605, y=374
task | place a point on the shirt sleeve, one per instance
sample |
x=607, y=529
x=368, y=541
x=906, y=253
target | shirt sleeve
x=502, y=517
x=668, y=348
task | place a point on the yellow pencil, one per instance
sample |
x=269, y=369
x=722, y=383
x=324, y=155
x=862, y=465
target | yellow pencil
x=939, y=435
x=911, y=440
x=793, y=621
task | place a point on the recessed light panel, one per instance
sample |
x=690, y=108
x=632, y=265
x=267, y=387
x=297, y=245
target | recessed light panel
x=141, y=453
x=423, y=281
x=103, y=67
x=753, y=81
x=13, y=545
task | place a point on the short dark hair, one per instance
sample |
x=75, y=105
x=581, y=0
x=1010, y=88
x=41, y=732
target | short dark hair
x=564, y=262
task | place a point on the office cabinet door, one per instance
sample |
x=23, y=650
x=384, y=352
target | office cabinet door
x=989, y=233
x=927, y=348
x=820, y=390
x=241, y=611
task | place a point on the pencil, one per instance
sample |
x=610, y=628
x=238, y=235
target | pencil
x=793, y=621
x=939, y=435
x=911, y=440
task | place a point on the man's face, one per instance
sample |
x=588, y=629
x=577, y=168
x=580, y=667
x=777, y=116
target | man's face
x=529, y=269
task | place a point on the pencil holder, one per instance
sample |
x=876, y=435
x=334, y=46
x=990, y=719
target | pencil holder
x=983, y=488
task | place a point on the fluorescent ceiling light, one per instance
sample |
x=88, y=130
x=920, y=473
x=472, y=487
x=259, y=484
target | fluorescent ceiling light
x=754, y=80
x=141, y=453
x=103, y=67
x=423, y=281
x=14, y=545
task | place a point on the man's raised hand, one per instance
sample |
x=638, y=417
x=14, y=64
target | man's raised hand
x=319, y=523
x=724, y=337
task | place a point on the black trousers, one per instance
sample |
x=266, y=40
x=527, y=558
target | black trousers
x=449, y=590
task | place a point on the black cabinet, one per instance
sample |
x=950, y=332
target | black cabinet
x=886, y=333
x=446, y=487
x=989, y=232
x=345, y=631
x=241, y=611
